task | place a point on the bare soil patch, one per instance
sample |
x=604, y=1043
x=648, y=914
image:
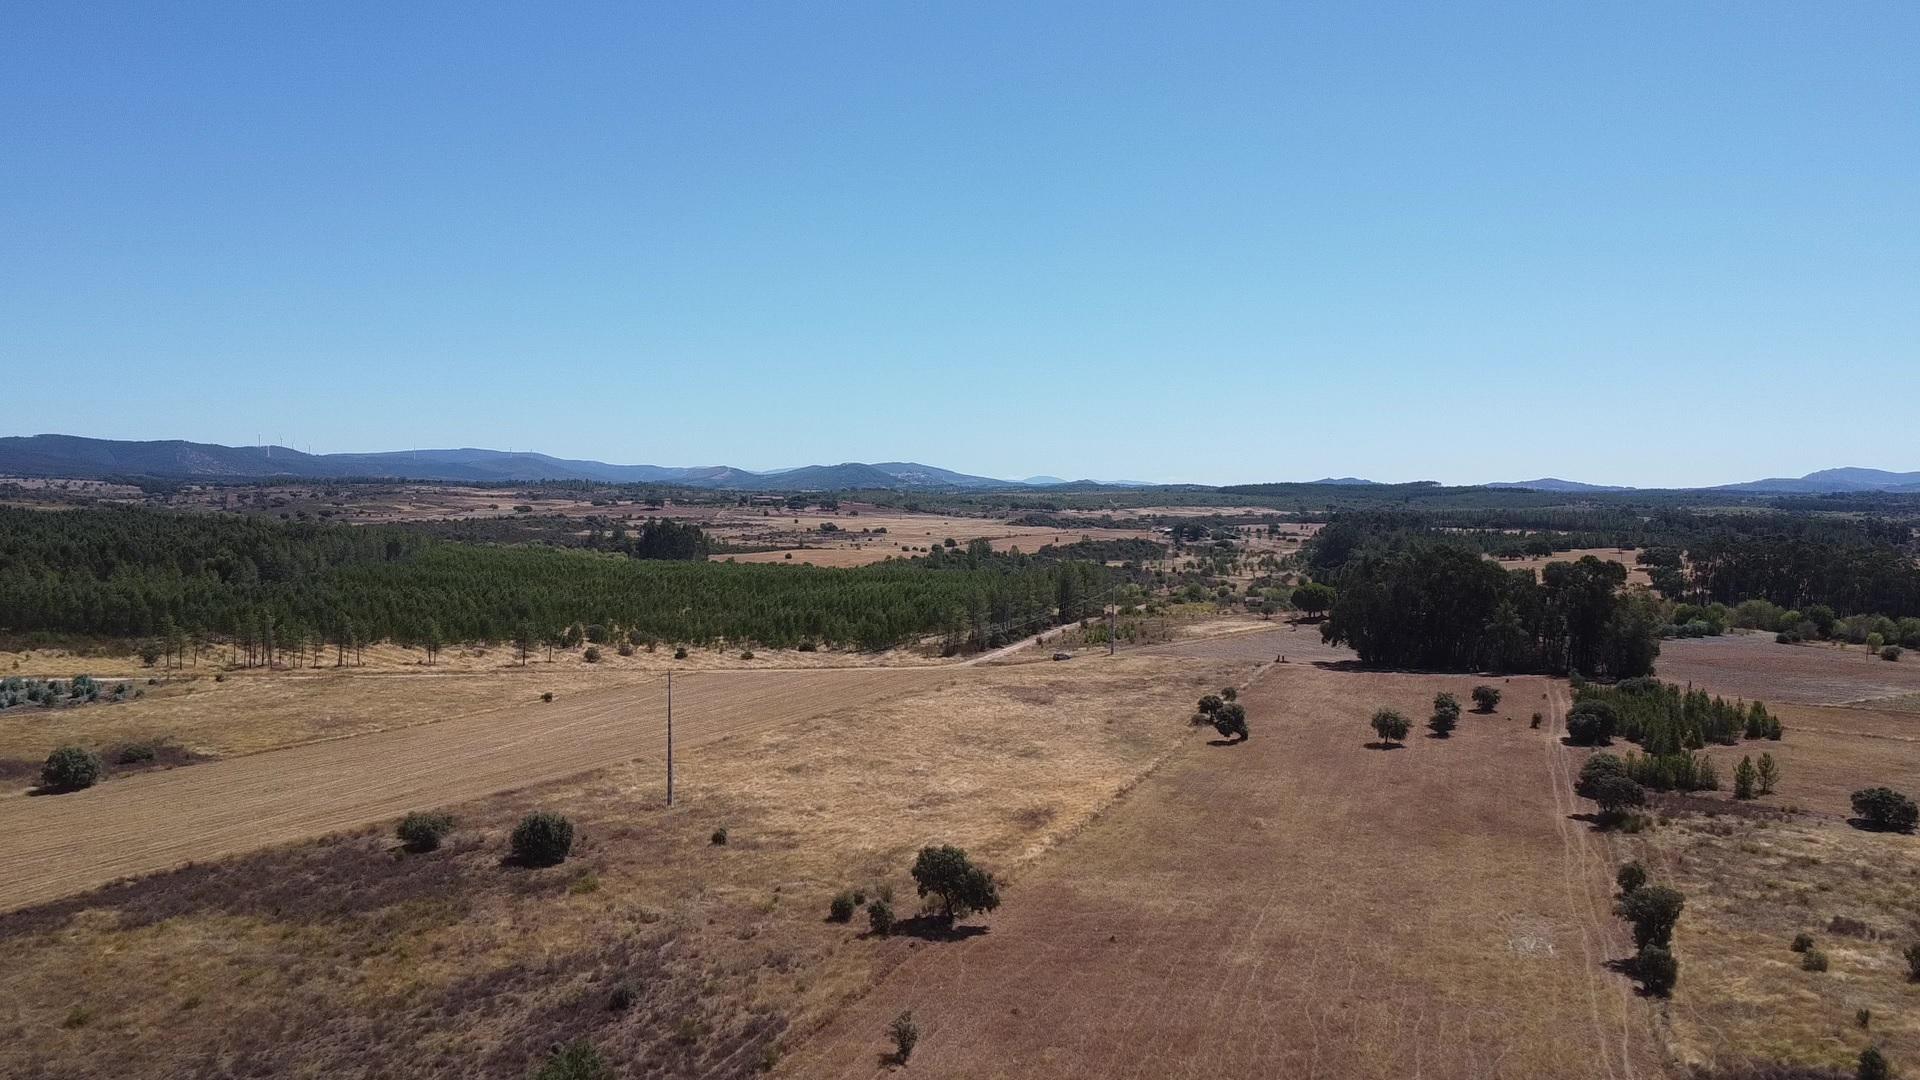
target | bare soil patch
x=1755, y=666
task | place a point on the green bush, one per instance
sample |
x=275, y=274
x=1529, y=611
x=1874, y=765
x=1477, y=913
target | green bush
x=577, y=1060
x=546, y=696
x=1912, y=954
x=1813, y=960
x=905, y=1035
x=1873, y=1065
x=840, y=908
x=1653, y=910
x=1885, y=809
x=71, y=768
x=1486, y=698
x=719, y=837
x=1657, y=969
x=1629, y=877
x=880, y=917
x=135, y=754
x=1802, y=942
x=542, y=839
x=1891, y=652
x=592, y=655
x=680, y=653
x=423, y=830
x=1616, y=795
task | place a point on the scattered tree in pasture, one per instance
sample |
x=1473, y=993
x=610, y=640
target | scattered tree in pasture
x=905, y=1035
x=1486, y=698
x=961, y=888
x=1629, y=877
x=1617, y=795
x=1746, y=779
x=1885, y=810
x=1657, y=969
x=71, y=768
x=1391, y=726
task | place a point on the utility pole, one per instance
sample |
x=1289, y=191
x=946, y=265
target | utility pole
x=1110, y=611
x=669, y=738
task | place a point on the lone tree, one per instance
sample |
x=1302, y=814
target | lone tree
x=1879, y=808
x=1486, y=698
x=1390, y=726
x=905, y=1035
x=1446, y=714
x=1768, y=774
x=1746, y=779
x=71, y=768
x=962, y=888
x=1653, y=910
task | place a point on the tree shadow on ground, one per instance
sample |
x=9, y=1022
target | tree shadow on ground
x=1626, y=967
x=935, y=928
x=1383, y=745
x=1863, y=824
x=1225, y=742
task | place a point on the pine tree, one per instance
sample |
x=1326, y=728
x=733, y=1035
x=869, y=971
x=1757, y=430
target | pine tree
x=1744, y=778
x=1768, y=775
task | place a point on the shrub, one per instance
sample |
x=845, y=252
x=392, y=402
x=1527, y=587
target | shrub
x=1657, y=969
x=624, y=997
x=840, y=908
x=547, y=696
x=1535, y=722
x=1211, y=704
x=880, y=917
x=1629, y=877
x=1891, y=652
x=1802, y=941
x=1813, y=960
x=542, y=839
x=1884, y=809
x=135, y=754
x=577, y=1060
x=1486, y=698
x=806, y=646
x=719, y=837
x=71, y=768
x=680, y=652
x=1231, y=721
x=947, y=874
x=1873, y=1065
x=905, y=1035
x=592, y=655
x=422, y=831
x=1912, y=954
x=746, y=654
x=625, y=648
x=1390, y=726
x=1653, y=910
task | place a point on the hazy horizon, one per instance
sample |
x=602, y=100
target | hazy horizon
x=1640, y=244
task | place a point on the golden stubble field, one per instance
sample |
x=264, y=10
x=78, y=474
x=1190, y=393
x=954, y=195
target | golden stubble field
x=342, y=957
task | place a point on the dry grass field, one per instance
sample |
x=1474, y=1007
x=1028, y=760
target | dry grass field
x=343, y=957
x=1636, y=574
x=1755, y=880
x=1298, y=906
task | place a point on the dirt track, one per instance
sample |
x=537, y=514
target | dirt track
x=52, y=846
x=1300, y=906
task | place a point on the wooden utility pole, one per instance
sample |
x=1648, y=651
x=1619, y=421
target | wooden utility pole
x=1110, y=629
x=669, y=738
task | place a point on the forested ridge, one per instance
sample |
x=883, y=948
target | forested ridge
x=138, y=573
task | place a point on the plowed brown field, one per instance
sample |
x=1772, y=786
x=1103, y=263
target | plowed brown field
x=52, y=846
x=1298, y=906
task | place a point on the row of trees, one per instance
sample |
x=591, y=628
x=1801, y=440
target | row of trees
x=118, y=572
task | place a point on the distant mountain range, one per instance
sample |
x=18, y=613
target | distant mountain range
x=174, y=459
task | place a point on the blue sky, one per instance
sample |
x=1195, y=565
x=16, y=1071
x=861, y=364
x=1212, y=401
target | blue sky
x=1651, y=243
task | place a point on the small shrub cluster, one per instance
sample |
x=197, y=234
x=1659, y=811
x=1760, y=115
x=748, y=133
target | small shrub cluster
x=16, y=691
x=71, y=768
x=1226, y=714
x=422, y=831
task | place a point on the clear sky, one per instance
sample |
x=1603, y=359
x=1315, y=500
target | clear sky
x=1659, y=243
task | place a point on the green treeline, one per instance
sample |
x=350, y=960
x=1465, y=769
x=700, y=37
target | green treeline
x=120, y=572
x=1408, y=599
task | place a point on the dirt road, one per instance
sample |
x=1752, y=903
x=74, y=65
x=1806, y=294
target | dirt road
x=56, y=845
x=1299, y=906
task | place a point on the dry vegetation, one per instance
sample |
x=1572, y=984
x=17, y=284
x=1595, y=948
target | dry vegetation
x=346, y=958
